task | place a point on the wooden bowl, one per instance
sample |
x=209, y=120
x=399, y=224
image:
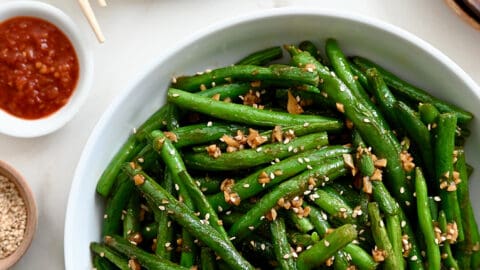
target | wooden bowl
x=471, y=20
x=27, y=195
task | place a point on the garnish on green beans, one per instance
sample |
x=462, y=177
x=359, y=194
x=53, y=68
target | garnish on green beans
x=299, y=165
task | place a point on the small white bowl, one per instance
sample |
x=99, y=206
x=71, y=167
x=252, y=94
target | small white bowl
x=19, y=127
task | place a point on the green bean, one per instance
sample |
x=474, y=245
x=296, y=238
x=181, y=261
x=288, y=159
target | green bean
x=165, y=232
x=418, y=133
x=428, y=113
x=360, y=76
x=207, y=259
x=342, y=69
x=369, y=123
x=412, y=92
x=283, y=75
x=425, y=221
x=232, y=91
x=327, y=247
x=187, y=258
x=247, y=158
x=149, y=231
x=294, y=186
x=301, y=223
x=250, y=186
x=309, y=47
x=383, y=96
x=209, y=185
x=262, y=57
x=175, y=164
x=201, y=133
x=281, y=246
x=131, y=220
x=433, y=205
x=186, y=218
x=381, y=237
x=147, y=260
x=114, y=257
x=129, y=149
x=443, y=152
x=115, y=204
x=470, y=246
x=202, y=204
x=102, y=263
x=359, y=257
x=394, y=232
x=245, y=114
x=334, y=205
x=300, y=239
x=413, y=254
x=341, y=261
x=447, y=255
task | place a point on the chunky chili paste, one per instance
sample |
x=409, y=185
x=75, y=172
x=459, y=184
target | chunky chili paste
x=38, y=67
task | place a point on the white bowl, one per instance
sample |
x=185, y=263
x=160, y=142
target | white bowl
x=19, y=127
x=227, y=42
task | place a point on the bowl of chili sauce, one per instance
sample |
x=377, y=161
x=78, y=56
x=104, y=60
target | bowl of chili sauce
x=45, y=69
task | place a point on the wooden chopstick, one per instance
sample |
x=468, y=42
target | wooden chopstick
x=102, y=3
x=88, y=12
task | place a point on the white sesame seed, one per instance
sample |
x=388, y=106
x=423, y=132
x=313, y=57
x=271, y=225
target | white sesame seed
x=327, y=243
x=286, y=256
x=251, y=228
x=366, y=120
x=300, y=160
x=209, y=123
x=414, y=258
x=175, y=95
x=306, y=124
x=403, y=223
x=177, y=188
x=402, y=190
x=437, y=198
x=232, y=238
x=161, y=207
x=262, y=246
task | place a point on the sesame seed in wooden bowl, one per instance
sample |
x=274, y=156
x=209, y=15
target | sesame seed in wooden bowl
x=18, y=216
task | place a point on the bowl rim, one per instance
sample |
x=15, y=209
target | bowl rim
x=32, y=218
x=227, y=23
x=25, y=128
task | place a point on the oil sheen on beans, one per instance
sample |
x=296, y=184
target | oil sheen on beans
x=39, y=68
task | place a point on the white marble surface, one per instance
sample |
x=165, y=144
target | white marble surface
x=137, y=31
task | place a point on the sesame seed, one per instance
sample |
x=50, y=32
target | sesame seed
x=246, y=185
x=290, y=148
x=220, y=209
x=233, y=238
x=306, y=124
x=366, y=120
x=437, y=198
x=300, y=160
x=161, y=207
x=251, y=228
x=286, y=256
x=407, y=203
x=259, y=149
x=167, y=244
x=403, y=223
x=414, y=258
x=209, y=123
x=177, y=188
x=175, y=95
x=402, y=190
x=327, y=243
x=262, y=246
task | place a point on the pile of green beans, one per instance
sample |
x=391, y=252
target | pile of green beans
x=357, y=169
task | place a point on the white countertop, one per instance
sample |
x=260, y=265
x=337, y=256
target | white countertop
x=137, y=32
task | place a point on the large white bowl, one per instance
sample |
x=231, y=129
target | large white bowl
x=18, y=127
x=227, y=42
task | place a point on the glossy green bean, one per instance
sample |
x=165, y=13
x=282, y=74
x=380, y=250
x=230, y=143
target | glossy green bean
x=327, y=247
x=281, y=245
x=426, y=223
x=262, y=57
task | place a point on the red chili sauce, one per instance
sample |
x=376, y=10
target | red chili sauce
x=38, y=68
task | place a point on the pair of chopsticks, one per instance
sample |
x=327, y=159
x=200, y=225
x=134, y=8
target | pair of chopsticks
x=88, y=12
